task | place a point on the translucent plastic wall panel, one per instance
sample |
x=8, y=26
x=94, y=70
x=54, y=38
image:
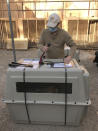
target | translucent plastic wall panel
x=4, y=10
x=32, y=29
x=83, y=30
x=97, y=32
x=25, y=28
x=40, y=27
x=29, y=10
x=14, y=29
x=93, y=12
x=72, y=28
x=76, y=9
x=44, y=9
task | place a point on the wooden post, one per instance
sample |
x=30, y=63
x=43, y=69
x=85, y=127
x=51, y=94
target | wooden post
x=88, y=24
x=94, y=32
x=6, y=29
x=77, y=30
x=28, y=27
x=36, y=21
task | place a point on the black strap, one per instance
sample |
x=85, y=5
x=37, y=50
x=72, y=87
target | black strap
x=25, y=98
x=65, y=94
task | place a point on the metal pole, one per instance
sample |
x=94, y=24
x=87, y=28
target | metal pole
x=11, y=29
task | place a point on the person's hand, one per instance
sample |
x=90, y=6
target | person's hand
x=67, y=59
x=45, y=48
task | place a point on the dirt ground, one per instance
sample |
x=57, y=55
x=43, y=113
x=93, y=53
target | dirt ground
x=90, y=122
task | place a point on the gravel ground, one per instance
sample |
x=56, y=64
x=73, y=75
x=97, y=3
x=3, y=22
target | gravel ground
x=90, y=122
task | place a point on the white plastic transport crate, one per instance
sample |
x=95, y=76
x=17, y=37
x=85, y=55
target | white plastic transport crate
x=41, y=96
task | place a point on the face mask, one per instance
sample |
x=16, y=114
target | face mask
x=51, y=29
